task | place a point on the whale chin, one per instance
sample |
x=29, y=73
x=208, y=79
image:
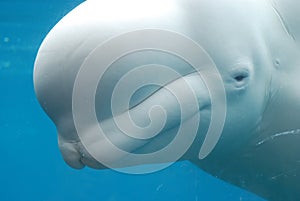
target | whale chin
x=76, y=156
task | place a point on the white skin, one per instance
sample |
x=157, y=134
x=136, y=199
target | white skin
x=258, y=62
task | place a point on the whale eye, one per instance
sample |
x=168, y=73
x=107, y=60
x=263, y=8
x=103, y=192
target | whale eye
x=240, y=77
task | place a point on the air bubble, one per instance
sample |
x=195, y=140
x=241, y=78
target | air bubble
x=6, y=39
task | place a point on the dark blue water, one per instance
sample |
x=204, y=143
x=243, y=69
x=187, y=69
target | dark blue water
x=32, y=168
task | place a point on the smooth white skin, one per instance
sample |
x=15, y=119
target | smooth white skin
x=256, y=38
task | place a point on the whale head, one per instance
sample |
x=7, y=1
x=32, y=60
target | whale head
x=155, y=82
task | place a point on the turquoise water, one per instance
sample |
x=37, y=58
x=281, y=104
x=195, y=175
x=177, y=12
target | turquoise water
x=32, y=168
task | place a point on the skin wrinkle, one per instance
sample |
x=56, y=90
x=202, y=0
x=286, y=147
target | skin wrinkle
x=282, y=21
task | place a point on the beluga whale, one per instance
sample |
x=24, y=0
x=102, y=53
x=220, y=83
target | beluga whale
x=137, y=82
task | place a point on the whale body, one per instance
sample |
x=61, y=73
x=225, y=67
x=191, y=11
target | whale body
x=254, y=45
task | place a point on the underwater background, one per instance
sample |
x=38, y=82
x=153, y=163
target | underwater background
x=32, y=169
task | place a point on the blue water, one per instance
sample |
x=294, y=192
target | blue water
x=32, y=168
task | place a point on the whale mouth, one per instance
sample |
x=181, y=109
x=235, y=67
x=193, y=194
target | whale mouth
x=166, y=112
x=76, y=156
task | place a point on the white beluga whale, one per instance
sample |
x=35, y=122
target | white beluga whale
x=214, y=82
